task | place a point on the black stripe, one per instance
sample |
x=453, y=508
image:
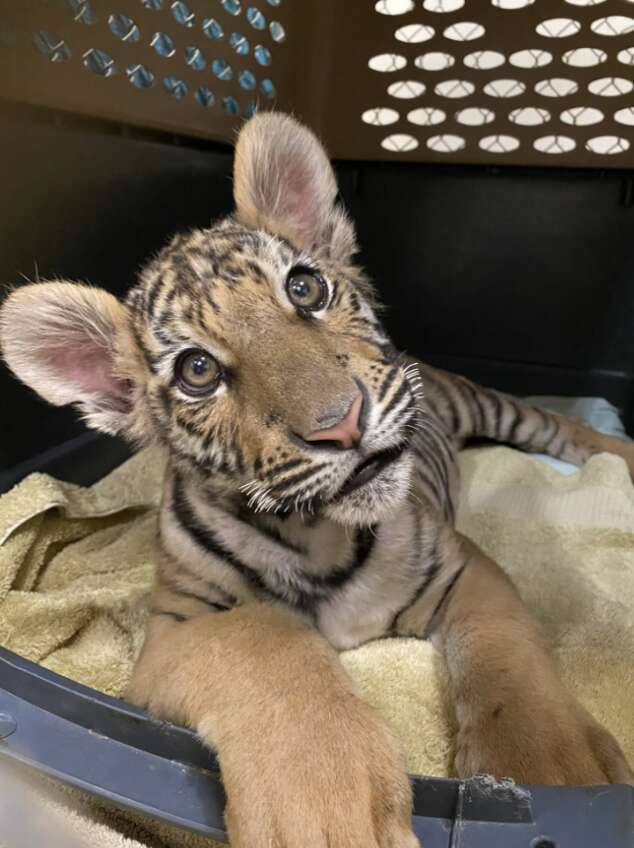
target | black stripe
x=194, y=596
x=548, y=423
x=396, y=398
x=169, y=582
x=445, y=394
x=207, y=539
x=432, y=484
x=497, y=415
x=430, y=474
x=246, y=237
x=153, y=293
x=445, y=446
x=233, y=457
x=188, y=426
x=198, y=306
x=540, y=429
x=272, y=533
x=447, y=461
x=284, y=466
x=390, y=353
x=165, y=399
x=239, y=455
x=518, y=418
x=175, y=615
x=417, y=546
x=204, y=536
x=311, y=498
x=428, y=456
x=529, y=442
x=152, y=361
x=217, y=607
x=319, y=584
x=445, y=595
x=433, y=408
x=365, y=538
x=484, y=412
x=369, y=340
x=430, y=572
x=408, y=412
x=302, y=477
x=418, y=536
x=450, y=512
x=557, y=432
x=436, y=562
x=209, y=299
x=387, y=382
x=411, y=416
x=431, y=441
x=477, y=411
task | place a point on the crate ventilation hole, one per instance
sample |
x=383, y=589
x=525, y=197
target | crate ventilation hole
x=127, y=31
x=549, y=45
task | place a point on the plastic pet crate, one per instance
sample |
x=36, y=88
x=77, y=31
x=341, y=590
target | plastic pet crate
x=483, y=148
x=488, y=81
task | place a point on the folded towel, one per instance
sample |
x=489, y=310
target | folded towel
x=76, y=568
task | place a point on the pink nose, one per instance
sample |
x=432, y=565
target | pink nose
x=346, y=432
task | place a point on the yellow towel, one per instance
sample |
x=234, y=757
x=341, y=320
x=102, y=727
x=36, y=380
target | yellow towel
x=76, y=567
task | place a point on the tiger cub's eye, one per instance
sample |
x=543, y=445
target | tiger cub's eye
x=197, y=372
x=306, y=289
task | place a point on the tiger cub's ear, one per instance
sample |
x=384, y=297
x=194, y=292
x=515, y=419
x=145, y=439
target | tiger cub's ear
x=65, y=341
x=284, y=183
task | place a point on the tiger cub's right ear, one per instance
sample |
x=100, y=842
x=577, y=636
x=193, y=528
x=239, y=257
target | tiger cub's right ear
x=284, y=184
x=70, y=342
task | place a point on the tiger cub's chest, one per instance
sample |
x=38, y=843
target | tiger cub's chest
x=378, y=570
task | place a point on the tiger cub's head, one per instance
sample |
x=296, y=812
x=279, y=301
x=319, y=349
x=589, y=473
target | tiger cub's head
x=250, y=349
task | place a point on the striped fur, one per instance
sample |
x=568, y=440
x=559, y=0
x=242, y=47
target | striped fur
x=255, y=517
x=356, y=580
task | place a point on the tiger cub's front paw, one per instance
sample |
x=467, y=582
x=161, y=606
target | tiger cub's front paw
x=335, y=780
x=541, y=743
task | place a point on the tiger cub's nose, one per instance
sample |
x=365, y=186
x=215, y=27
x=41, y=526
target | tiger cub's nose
x=347, y=433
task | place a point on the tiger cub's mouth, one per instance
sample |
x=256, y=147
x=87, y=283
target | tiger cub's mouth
x=370, y=468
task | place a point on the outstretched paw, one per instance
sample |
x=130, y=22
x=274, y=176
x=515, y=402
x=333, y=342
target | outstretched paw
x=558, y=743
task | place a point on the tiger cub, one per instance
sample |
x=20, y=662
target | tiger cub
x=308, y=507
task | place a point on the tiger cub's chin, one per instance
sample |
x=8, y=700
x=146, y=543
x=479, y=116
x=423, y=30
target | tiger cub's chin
x=377, y=499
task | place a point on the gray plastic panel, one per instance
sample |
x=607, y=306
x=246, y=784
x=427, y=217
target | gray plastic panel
x=117, y=753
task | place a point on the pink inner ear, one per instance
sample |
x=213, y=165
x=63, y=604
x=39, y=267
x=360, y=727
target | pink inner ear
x=300, y=200
x=87, y=366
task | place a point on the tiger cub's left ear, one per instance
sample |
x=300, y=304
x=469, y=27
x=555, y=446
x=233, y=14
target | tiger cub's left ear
x=284, y=184
x=69, y=343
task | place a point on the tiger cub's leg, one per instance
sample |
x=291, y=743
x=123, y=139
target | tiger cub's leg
x=514, y=715
x=471, y=411
x=305, y=763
